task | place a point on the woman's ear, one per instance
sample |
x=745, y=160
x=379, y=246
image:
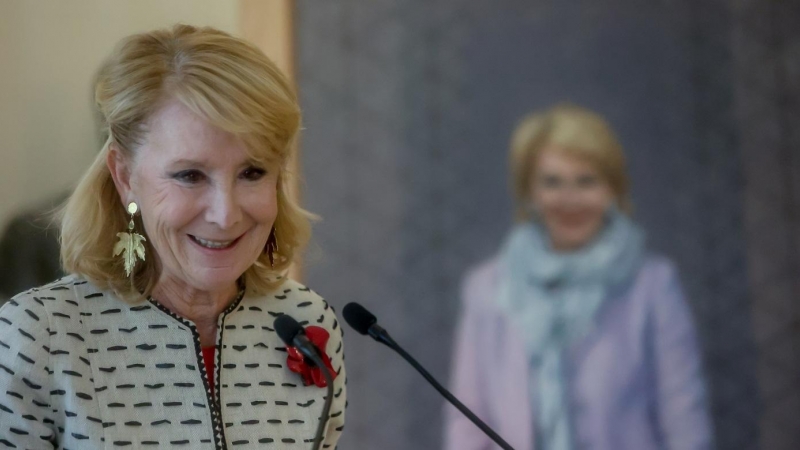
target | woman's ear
x=120, y=169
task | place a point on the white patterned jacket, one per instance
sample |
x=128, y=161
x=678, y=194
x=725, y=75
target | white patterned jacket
x=82, y=370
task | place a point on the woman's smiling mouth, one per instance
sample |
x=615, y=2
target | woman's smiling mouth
x=212, y=244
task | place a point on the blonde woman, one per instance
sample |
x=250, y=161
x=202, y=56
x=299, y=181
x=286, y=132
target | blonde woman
x=575, y=336
x=176, y=239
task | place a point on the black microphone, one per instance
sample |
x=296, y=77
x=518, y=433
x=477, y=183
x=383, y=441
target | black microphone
x=293, y=334
x=366, y=323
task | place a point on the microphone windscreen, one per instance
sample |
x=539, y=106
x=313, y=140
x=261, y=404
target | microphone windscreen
x=287, y=328
x=358, y=317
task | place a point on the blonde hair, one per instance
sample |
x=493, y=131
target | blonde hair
x=223, y=79
x=575, y=131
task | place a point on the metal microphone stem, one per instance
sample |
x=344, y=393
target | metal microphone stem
x=303, y=345
x=381, y=335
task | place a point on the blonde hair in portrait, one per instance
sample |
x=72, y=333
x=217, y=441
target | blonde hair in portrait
x=226, y=81
x=573, y=130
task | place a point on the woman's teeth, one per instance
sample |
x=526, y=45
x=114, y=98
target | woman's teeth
x=212, y=244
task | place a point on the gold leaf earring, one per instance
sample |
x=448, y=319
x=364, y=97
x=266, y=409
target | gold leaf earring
x=130, y=243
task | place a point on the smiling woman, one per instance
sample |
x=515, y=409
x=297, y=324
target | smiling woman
x=156, y=77
x=599, y=347
x=208, y=207
x=177, y=240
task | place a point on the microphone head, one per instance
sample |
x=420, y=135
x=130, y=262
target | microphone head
x=358, y=317
x=287, y=328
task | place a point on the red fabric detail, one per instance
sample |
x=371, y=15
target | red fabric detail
x=296, y=362
x=209, y=353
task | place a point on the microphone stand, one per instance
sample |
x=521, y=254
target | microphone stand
x=381, y=335
x=312, y=354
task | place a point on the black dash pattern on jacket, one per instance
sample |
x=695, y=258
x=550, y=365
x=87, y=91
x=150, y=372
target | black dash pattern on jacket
x=80, y=369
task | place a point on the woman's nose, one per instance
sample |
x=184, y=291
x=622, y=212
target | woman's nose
x=570, y=194
x=224, y=209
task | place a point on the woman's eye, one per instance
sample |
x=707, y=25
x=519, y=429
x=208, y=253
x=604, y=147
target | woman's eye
x=189, y=176
x=587, y=181
x=253, y=173
x=550, y=181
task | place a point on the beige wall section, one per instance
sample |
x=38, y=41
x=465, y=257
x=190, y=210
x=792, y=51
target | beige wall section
x=49, y=50
x=269, y=25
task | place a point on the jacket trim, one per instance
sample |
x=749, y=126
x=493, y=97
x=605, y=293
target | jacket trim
x=212, y=399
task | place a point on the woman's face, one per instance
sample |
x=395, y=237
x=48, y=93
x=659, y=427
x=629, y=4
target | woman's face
x=571, y=198
x=208, y=209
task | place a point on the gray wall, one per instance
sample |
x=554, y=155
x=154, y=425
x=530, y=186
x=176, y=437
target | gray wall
x=408, y=108
x=767, y=68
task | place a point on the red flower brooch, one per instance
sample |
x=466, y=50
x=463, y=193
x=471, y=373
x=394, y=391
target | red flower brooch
x=310, y=373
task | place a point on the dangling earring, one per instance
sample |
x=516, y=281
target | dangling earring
x=130, y=243
x=272, y=247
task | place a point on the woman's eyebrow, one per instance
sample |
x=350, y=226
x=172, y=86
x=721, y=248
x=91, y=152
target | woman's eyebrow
x=188, y=162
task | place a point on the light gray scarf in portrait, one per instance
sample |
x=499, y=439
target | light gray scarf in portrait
x=554, y=298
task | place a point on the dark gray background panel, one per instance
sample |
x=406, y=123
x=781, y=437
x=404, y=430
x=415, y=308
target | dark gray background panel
x=408, y=109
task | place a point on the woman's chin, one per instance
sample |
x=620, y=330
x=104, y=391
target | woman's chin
x=570, y=238
x=571, y=242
